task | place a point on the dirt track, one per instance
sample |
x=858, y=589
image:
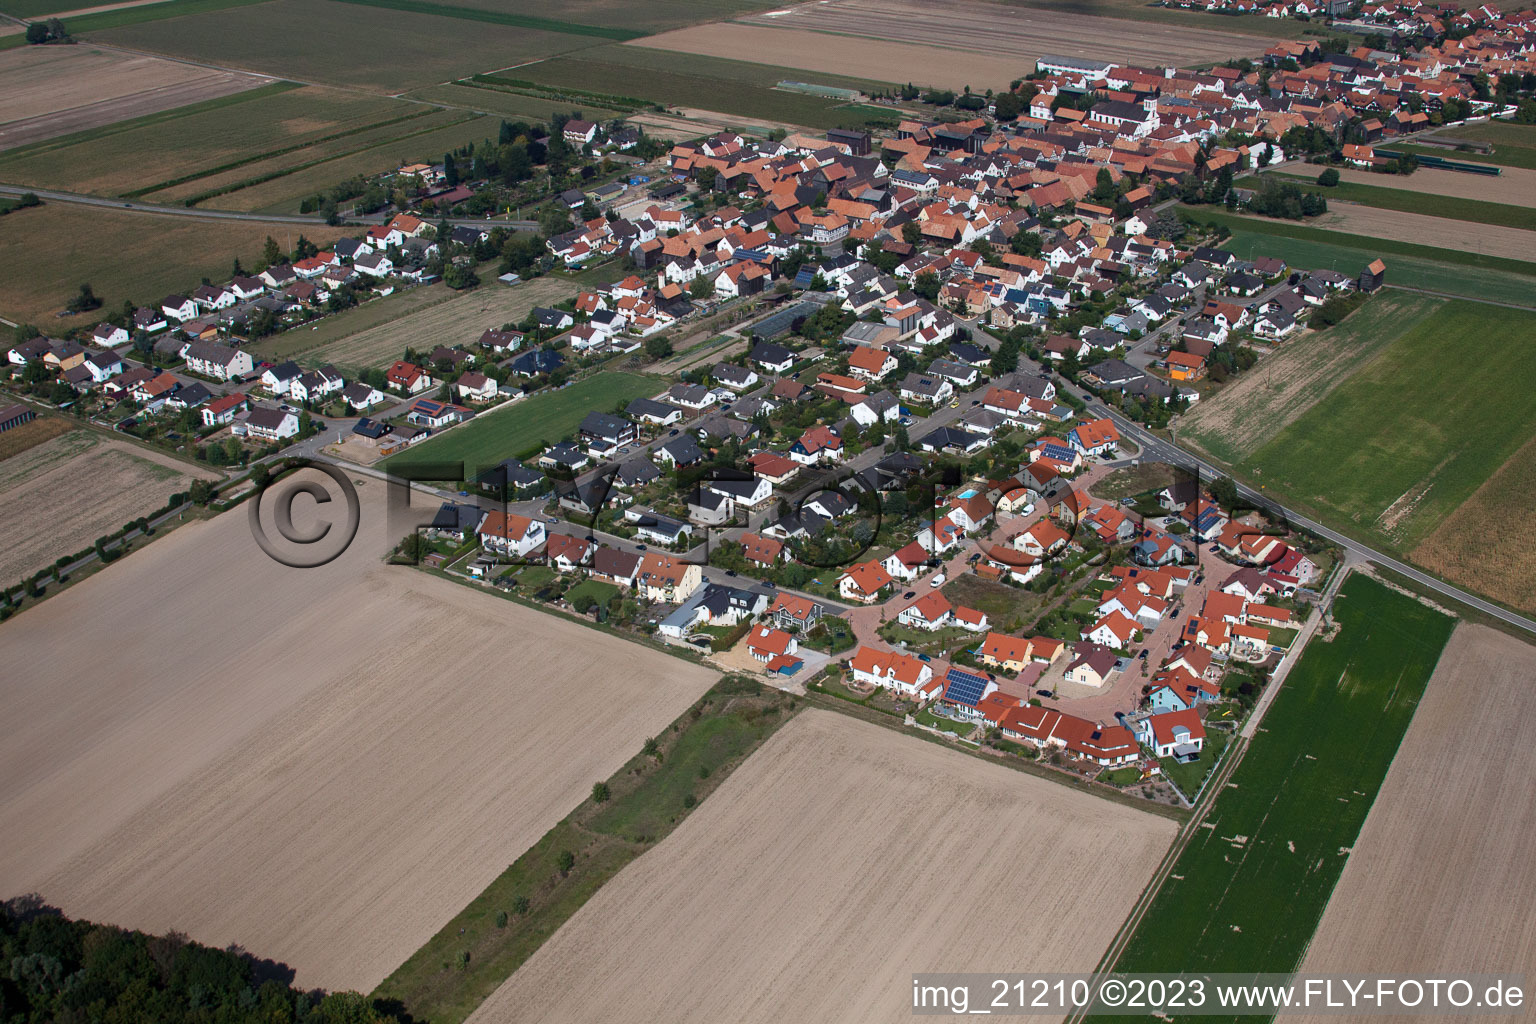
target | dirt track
x=839, y=860
x=1438, y=879
x=950, y=43
x=48, y=91
x=322, y=765
x=1442, y=232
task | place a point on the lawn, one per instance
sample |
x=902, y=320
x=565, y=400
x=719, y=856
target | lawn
x=1514, y=145
x=1246, y=894
x=1472, y=275
x=542, y=419
x=948, y=725
x=1189, y=776
x=1413, y=433
x=647, y=799
x=601, y=593
x=49, y=250
x=1384, y=197
x=689, y=80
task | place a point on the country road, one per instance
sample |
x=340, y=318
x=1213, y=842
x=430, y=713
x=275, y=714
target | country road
x=264, y=218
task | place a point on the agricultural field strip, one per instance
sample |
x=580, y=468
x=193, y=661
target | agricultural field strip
x=1387, y=197
x=820, y=876
x=282, y=172
x=1452, y=813
x=1247, y=892
x=497, y=17
x=125, y=16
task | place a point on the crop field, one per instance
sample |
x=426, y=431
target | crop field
x=57, y=497
x=48, y=251
x=1515, y=186
x=148, y=151
x=378, y=332
x=1488, y=544
x=343, y=44
x=1247, y=414
x=1386, y=192
x=1514, y=145
x=1449, y=271
x=1408, y=437
x=825, y=871
x=46, y=91
x=1143, y=11
x=360, y=748
x=641, y=19
x=504, y=103
x=702, y=82
x=934, y=42
x=1493, y=237
x=1445, y=813
x=33, y=433
x=546, y=418
x=1247, y=892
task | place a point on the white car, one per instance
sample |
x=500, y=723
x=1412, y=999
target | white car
x=937, y=581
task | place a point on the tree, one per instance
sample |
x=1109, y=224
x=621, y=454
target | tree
x=450, y=171
x=701, y=287
x=1329, y=177
x=201, y=492
x=1224, y=492
x=658, y=347
x=912, y=232
x=1008, y=106
x=460, y=276
x=600, y=792
x=1026, y=243
x=565, y=862
x=84, y=300
x=271, y=253
x=926, y=285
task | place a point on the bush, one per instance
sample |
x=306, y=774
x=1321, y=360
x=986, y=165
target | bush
x=1329, y=178
x=501, y=919
x=689, y=800
x=600, y=792
x=565, y=862
x=520, y=905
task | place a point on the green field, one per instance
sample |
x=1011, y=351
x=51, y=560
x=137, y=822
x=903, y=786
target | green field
x=497, y=17
x=1247, y=892
x=648, y=798
x=502, y=434
x=1502, y=156
x=709, y=83
x=1514, y=145
x=1141, y=10
x=644, y=19
x=1412, y=434
x=1449, y=271
x=124, y=16
x=508, y=104
x=1384, y=197
x=342, y=44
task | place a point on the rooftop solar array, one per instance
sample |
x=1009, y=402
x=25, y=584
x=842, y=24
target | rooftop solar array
x=964, y=687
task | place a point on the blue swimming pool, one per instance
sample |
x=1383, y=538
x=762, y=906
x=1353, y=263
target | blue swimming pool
x=969, y=492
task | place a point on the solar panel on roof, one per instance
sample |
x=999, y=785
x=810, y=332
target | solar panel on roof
x=964, y=687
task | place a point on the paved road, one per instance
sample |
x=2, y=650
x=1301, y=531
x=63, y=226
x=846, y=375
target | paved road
x=265, y=218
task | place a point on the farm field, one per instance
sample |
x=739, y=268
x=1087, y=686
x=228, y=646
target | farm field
x=1445, y=813
x=1247, y=892
x=57, y=497
x=1514, y=145
x=1143, y=11
x=49, y=250
x=504, y=433
x=821, y=875
x=379, y=332
x=1409, y=265
x=652, y=16
x=702, y=82
x=1247, y=414
x=1501, y=239
x=46, y=91
x=1488, y=544
x=1403, y=441
x=345, y=777
x=151, y=150
x=975, y=29
x=1515, y=186
x=506, y=104
x=1502, y=156
x=1382, y=193
x=341, y=45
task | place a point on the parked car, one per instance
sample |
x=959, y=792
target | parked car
x=909, y=595
x=937, y=581
x=1044, y=693
x=640, y=547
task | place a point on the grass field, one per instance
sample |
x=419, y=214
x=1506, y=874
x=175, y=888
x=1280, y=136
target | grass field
x=499, y=17
x=1385, y=197
x=48, y=251
x=508, y=104
x=708, y=83
x=1250, y=412
x=386, y=50
x=1514, y=145
x=488, y=439
x=1414, y=432
x=150, y=150
x=1247, y=892
x=1140, y=10
x=1472, y=275
x=651, y=16
x=378, y=332
x=648, y=797
x=124, y=16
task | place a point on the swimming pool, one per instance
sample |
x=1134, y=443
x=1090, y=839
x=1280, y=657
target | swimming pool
x=967, y=494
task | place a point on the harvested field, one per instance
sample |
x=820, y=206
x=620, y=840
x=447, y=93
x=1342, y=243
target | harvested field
x=49, y=250
x=1142, y=10
x=57, y=497
x=435, y=314
x=1489, y=239
x=360, y=749
x=1447, y=812
x=341, y=44
x=822, y=874
x=1516, y=186
x=153, y=150
x=47, y=91
x=30, y=435
x=1244, y=416
x=1489, y=543
x=926, y=36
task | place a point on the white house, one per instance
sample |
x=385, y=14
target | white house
x=271, y=424
x=510, y=534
